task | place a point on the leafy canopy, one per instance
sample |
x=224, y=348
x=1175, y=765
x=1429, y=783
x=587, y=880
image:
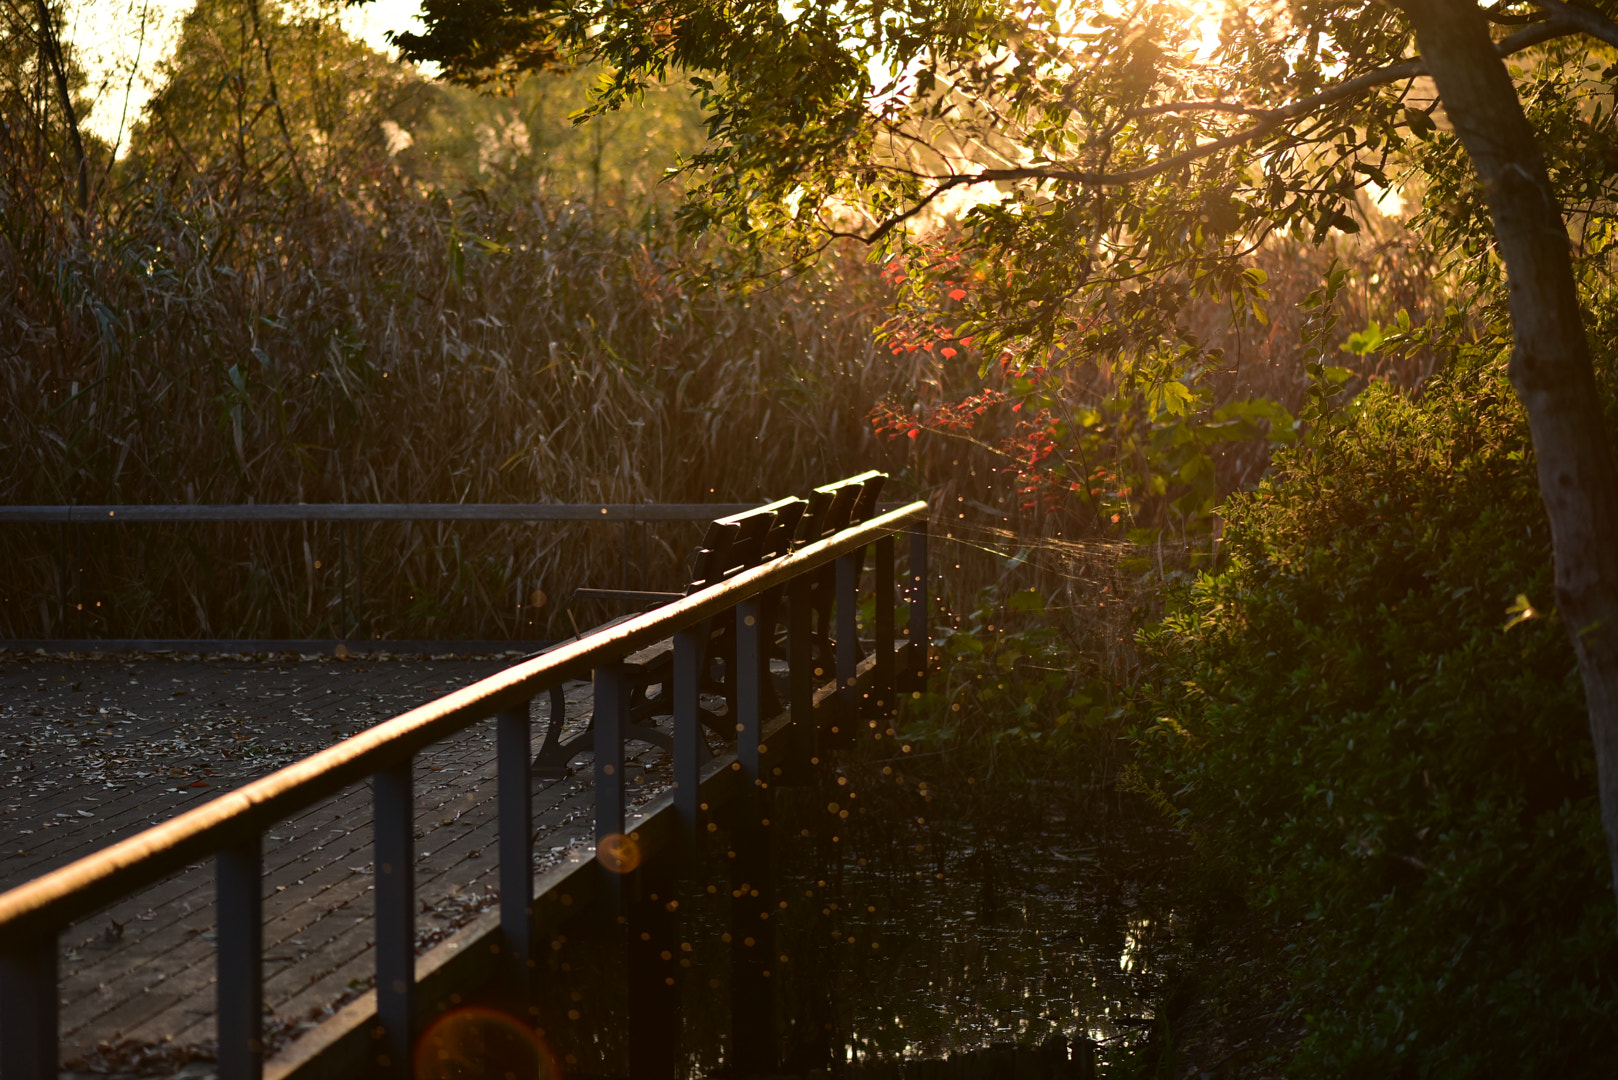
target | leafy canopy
x=1113, y=162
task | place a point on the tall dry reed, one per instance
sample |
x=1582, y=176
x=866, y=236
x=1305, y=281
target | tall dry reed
x=219, y=343
x=224, y=340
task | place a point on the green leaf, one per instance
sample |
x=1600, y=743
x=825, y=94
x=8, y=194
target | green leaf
x=1027, y=602
x=1365, y=341
x=1421, y=124
x=963, y=643
x=1520, y=612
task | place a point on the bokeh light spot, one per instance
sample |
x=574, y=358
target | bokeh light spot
x=618, y=853
x=475, y=1042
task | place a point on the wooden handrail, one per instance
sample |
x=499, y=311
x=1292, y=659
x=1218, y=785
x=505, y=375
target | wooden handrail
x=48, y=903
x=114, y=514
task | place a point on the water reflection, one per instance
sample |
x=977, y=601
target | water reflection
x=900, y=926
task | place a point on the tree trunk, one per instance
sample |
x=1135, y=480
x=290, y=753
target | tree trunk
x=51, y=47
x=275, y=96
x=1550, y=362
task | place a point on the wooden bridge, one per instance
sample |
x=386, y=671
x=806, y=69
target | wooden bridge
x=309, y=923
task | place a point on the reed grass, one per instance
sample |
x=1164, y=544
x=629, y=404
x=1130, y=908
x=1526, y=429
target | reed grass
x=219, y=343
x=222, y=339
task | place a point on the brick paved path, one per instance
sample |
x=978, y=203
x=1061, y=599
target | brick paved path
x=94, y=750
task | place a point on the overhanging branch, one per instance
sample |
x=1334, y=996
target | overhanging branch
x=1556, y=26
x=1583, y=19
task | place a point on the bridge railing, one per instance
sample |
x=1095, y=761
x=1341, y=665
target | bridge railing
x=231, y=827
x=351, y=519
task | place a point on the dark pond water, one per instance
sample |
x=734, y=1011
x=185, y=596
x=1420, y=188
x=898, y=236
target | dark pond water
x=906, y=923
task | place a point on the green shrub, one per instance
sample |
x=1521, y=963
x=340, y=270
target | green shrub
x=1373, y=714
x=1010, y=696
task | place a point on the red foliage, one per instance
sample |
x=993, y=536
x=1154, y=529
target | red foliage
x=1033, y=453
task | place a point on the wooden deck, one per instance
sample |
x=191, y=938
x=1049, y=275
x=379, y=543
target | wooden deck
x=97, y=749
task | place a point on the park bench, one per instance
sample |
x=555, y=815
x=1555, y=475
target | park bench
x=731, y=544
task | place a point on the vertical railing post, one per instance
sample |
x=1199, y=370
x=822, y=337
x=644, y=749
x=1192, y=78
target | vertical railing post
x=639, y=894
x=920, y=634
x=78, y=573
x=653, y=991
x=513, y=740
x=800, y=665
x=882, y=681
x=359, y=582
x=752, y=935
x=611, y=702
x=688, y=745
x=395, y=916
x=28, y=1010
x=749, y=686
x=238, y=875
x=848, y=573
x=61, y=581
x=342, y=580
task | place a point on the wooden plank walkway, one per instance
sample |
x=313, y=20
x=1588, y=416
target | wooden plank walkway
x=94, y=750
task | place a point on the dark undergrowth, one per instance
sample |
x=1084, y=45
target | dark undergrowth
x=1370, y=718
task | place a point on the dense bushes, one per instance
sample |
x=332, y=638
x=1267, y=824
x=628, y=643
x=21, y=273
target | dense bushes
x=1362, y=715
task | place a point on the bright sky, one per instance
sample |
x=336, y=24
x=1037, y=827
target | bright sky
x=120, y=41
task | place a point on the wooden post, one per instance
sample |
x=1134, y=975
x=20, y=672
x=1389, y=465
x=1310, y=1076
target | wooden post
x=688, y=745
x=750, y=669
x=515, y=810
x=882, y=681
x=611, y=703
x=395, y=917
x=920, y=631
x=800, y=669
x=28, y=1011
x=653, y=972
x=240, y=903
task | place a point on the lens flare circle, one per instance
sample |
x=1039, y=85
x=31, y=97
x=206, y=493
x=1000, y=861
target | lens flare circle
x=481, y=1043
x=618, y=853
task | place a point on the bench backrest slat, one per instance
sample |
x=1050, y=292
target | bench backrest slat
x=745, y=539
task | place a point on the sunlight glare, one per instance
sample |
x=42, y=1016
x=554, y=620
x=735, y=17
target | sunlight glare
x=121, y=44
x=1389, y=202
x=1203, y=15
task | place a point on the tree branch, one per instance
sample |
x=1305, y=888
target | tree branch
x=1536, y=34
x=1584, y=19
x=1233, y=107
x=1500, y=17
x=51, y=45
x=894, y=222
x=275, y=95
x=1270, y=119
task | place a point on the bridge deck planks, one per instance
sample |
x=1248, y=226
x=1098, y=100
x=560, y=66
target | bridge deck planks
x=140, y=974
